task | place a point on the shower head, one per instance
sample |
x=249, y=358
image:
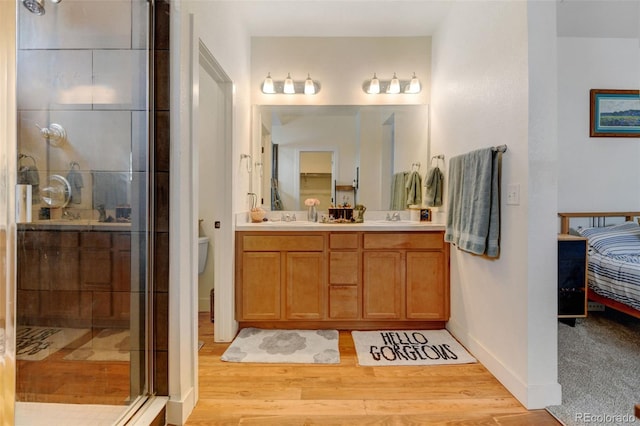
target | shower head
x=37, y=6
x=34, y=6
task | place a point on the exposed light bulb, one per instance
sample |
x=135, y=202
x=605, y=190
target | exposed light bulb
x=374, y=85
x=289, y=88
x=267, y=85
x=414, y=85
x=394, y=85
x=309, y=87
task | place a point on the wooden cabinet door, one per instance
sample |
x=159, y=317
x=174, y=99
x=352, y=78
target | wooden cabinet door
x=427, y=292
x=306, y=285
x=260, y=286
x=382, y=285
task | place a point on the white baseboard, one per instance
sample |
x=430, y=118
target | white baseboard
x=204, y=304
x=178, y=411
x=531, y=396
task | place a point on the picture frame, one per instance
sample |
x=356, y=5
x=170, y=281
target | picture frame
x=425, y=215
x=614, y=113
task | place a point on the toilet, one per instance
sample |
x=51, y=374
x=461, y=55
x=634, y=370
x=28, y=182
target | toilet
x=203, y=249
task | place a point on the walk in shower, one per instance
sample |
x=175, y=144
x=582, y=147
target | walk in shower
x=82, y=195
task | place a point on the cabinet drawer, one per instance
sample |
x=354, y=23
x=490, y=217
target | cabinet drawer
x=96, y=239
x=283, y=243
x=343, y=302
x=413, y=240
x=343, y=267
x=343, y=241
x=39, y=239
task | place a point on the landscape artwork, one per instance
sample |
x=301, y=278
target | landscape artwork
x=615, y=113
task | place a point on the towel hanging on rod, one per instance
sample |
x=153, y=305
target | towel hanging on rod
x=473, y=211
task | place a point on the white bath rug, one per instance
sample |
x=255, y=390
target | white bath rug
x=409, y=347
x=284, y=346
x=35, y=343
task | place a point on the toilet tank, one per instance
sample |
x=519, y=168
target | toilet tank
x=203, y=249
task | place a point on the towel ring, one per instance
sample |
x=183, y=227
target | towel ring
x=23, y=156
x=74, y=165
x=437, y=158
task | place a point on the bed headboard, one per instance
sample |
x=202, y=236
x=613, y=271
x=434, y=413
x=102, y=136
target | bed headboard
x=565, y=218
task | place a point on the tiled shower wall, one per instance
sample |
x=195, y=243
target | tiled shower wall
x=79, y=70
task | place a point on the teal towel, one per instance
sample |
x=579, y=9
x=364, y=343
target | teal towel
x=29, y=175
x=399, y=191
x=473, y=205
x=75, y=181
x=414, y=189
x=434, y=183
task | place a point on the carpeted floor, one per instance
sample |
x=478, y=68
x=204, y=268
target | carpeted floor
x=599, y=369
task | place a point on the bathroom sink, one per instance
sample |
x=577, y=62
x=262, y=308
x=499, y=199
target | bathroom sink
x=391, y=222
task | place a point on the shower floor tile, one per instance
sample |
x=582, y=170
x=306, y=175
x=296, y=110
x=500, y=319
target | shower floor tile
x=49, y=414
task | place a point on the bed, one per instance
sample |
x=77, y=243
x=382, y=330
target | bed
x=613, y=266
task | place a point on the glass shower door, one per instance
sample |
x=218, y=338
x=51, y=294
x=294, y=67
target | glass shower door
x=83, y=84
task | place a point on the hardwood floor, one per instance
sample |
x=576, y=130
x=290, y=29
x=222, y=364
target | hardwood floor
x=347, y=394
x=55, y=379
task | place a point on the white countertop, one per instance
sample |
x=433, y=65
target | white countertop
x=367, y=225
x=78, y=224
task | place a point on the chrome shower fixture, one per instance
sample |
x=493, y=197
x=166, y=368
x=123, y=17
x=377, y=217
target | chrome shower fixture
x=54, y=134
x=37, y=6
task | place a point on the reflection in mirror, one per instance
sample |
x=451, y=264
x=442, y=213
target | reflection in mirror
x=367, y=144
x=316, y=175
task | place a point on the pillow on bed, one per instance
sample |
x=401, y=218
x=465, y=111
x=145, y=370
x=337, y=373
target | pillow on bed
x=623, y=239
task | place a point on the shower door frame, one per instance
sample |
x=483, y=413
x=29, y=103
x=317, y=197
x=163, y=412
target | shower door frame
x=8, y=164
x=146, y=403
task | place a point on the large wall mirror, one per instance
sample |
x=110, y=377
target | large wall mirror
x=309, y=151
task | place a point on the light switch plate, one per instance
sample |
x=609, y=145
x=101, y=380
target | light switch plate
x=513, y=194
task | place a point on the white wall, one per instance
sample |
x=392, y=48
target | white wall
x=595, y=174
x=341, y=65
x=219, y=30
x=480, y=98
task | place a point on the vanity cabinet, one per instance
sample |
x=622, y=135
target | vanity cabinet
x=406, y=276
x=348, y=280
x=74, y=277
x=281, y=277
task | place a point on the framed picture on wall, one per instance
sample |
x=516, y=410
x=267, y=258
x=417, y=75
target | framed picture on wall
x=615, y=113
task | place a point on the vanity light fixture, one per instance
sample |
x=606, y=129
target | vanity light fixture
x=289, y=86
x=267, y=85
x=391, y=87
x=289, y=89
x=394, y=85
x=414, y=85
x=374, y=85
x=309, y=88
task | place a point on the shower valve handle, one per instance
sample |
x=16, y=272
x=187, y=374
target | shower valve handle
x=54, y=134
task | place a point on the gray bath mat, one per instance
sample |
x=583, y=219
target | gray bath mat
x=284, y=346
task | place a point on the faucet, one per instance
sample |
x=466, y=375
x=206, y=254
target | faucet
x=393, y=218
x=66, y=214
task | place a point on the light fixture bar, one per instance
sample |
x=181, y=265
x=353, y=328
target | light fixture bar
x=394, y=86
x=289, y=86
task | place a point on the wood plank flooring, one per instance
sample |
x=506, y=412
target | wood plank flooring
x=55, y=379
x=347, y=394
